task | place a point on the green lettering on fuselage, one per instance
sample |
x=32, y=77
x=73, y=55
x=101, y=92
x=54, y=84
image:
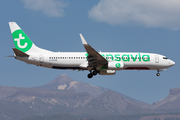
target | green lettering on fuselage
x=86, y=55
x=107, y=55
x=117, y=57
x=133, y=58
x=126, y=57
x=139, y=57
x=146, y=58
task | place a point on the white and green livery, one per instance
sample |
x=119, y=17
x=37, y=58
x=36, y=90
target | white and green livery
x=103, y=63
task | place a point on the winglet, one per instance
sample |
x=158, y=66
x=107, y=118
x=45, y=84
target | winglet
x=83, y=40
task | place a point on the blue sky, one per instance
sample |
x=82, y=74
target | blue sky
x=107, y=25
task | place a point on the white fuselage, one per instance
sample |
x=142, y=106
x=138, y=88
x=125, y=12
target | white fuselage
x=74, y=60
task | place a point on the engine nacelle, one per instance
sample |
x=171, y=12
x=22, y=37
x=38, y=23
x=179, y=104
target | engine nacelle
x=114, y=65
x=107, y=72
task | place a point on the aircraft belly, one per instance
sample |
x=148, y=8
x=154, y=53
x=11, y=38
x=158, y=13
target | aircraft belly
x=143, y=66
x=67, y=64
x=137, y=66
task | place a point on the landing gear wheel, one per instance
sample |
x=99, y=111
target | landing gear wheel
x=90, y=75
x=158, y=74
x=94, y=72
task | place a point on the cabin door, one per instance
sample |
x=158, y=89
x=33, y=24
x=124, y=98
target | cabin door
x=157, y=59
x=41, y=58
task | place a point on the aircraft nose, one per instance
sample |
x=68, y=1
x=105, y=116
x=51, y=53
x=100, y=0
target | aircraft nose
x=172, y=63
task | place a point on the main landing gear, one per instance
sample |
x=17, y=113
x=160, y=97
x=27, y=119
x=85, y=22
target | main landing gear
x=91, y=74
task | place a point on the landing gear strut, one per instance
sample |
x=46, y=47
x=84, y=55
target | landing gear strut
x=94, y=73
x=158, y=74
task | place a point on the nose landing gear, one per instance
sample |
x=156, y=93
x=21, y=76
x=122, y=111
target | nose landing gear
x=158, y=74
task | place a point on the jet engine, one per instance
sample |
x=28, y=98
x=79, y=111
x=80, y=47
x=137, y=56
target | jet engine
x=107, y=72
x=114, y=65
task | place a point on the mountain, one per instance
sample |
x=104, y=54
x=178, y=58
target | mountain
x=64, y=82
x=170, y=103
x=63, y=96
x=6, y=91
x=111, y=103
x=32, y=101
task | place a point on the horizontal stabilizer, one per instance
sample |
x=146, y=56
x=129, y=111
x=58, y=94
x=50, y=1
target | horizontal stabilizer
x=9, y=56
x=20, y=53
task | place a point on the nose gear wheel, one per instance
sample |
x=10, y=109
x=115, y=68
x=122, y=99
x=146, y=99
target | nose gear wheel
x=158, y=74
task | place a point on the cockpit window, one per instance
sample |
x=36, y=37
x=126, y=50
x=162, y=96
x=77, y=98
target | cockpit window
x=165, y=58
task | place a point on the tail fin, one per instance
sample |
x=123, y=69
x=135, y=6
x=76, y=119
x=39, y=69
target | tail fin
x=22, y=41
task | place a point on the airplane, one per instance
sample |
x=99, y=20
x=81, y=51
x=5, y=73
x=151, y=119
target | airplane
x=102, y=63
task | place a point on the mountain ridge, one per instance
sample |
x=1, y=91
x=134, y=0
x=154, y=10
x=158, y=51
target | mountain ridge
x=85, y=87
x=171, y=102
x=65, y=95
x=64, y=82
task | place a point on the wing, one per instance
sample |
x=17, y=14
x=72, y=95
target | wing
x=94, y=58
